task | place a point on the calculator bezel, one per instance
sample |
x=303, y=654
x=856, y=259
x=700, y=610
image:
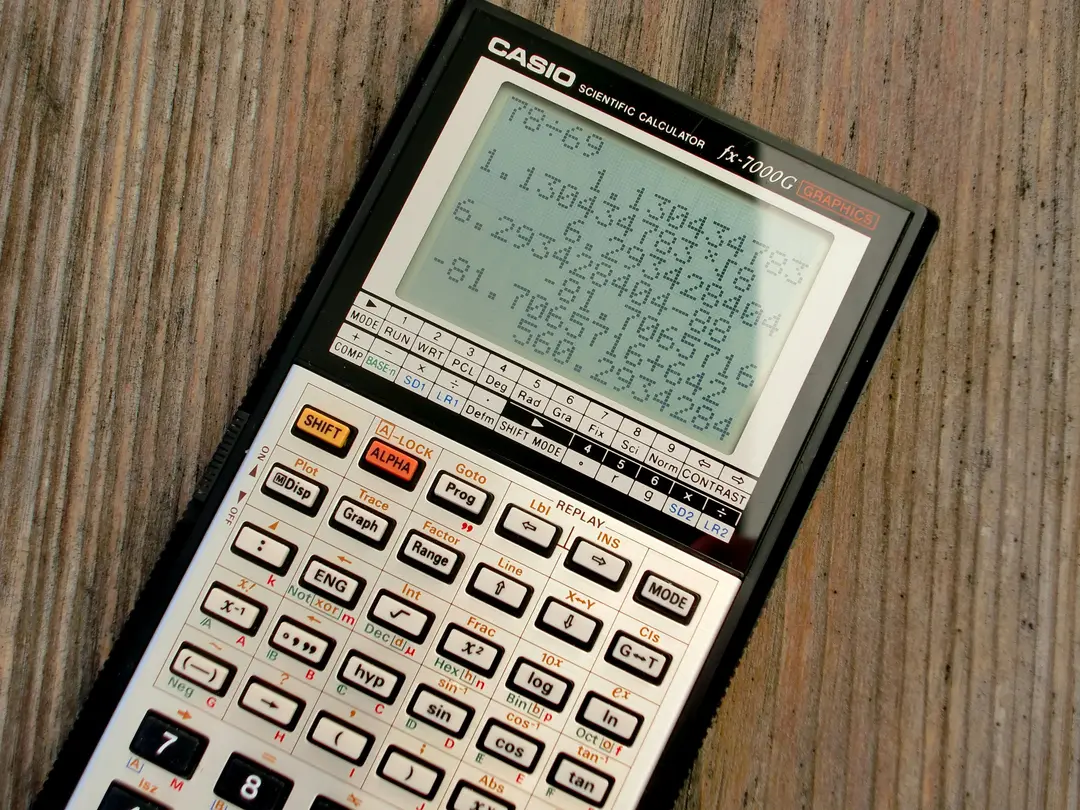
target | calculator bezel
x=810, y=446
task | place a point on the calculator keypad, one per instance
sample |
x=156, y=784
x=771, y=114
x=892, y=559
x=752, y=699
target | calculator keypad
x=388, y=619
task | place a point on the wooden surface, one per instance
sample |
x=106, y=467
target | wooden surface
x=168, y=171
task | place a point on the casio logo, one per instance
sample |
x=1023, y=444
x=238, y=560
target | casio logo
x=534, y=63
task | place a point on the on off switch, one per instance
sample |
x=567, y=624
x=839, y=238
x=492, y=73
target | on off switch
x=324, y=431
x=392, y=464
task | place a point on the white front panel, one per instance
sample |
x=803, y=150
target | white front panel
x=305, y=717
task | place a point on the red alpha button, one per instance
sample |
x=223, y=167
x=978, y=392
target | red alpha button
x=392, y=464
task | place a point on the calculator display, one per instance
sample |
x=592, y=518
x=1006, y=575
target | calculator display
x=623, y=271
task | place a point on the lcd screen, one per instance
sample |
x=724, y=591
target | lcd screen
x=616, y=268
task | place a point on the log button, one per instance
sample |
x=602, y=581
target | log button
x=324, y=431
x=392, y=464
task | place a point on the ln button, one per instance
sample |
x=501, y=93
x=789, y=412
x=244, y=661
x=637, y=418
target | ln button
x=342, y=739
x=409, y=772
x=460, y=497
x=202, y=669
x=293, y=489
x=597, y=563
x=666, y=597
x=528, y=531
x=263, y=548
x=324, y=431
x=580, y=780
x=391, y=464
x=616, y=722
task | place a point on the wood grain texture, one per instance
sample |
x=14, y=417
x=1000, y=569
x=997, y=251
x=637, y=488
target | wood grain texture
x=168, y=171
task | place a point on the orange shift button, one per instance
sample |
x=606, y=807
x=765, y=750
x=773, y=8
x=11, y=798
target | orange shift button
x=324, y=431
x=396, y=466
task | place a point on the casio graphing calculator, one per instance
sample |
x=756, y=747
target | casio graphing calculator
x=492, y=526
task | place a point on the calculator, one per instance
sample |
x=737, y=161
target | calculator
x=493, y=524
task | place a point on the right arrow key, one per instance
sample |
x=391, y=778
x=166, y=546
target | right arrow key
x=595, y=562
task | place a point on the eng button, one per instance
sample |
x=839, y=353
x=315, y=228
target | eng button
x=333, y=582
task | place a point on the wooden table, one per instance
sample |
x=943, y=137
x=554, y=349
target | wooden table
x=168, y=171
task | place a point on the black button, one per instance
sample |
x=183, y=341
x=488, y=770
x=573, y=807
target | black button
x=248, y=784
x=168, y=745
x=587, y=447
x=121, y=797
x=621, y=464
x=688, y=497
x=323, y=803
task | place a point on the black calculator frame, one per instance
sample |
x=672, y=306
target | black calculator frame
x=809, y=449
